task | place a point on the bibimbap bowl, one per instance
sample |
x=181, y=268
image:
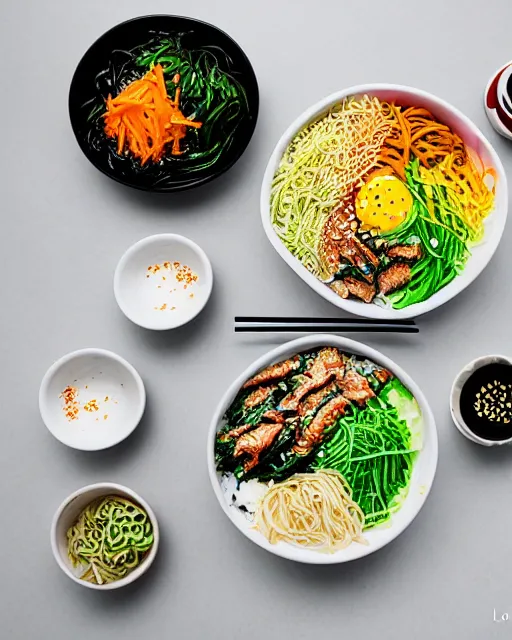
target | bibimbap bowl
x=302, y=411
x=384, y=199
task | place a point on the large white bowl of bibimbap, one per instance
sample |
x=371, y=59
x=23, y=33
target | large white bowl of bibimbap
x=323, y=450
x=385, y=199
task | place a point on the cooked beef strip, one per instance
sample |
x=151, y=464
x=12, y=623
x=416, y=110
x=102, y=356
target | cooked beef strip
x=274, y=372
x=339, y=287
x=255, y=442
x=356, y=388
x=362, y=290
x=395, y=277
x=273, y=416
x=313, y=400
x=235, y=433
x=339, y=241
x=258, y=396
x=314, y=432
x=405, y=251
x=327, y=365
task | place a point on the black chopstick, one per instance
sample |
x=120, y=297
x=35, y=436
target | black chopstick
x=245, y=324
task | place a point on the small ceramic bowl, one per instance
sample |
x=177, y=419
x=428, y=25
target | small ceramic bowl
x=69, y=511
x=163, y=281
x=457, y=386
x=91, y=399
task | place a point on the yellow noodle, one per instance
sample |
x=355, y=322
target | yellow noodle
x=324, y=162
x=466, y=190
x=312, y=510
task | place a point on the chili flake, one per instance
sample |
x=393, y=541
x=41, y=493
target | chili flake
x=71, y=406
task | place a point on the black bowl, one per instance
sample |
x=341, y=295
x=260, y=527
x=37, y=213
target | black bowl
x=103, y=66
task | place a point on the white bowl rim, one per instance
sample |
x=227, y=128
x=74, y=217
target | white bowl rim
x=148, y=240
x=354, y=306
x=461, y=425
x=110, y=487
x=79, y=353
x=295, y=346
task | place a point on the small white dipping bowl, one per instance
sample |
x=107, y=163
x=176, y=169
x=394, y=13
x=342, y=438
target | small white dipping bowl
x=68, y=513
x=458, y=383
x=103, y=380
x=156, y=300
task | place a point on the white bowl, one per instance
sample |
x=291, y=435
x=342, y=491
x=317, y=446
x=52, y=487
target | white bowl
x=98, y=375
x=68, y=512
x=471, y=135
x=420, y=483
x=157, y=300
x=456, y=390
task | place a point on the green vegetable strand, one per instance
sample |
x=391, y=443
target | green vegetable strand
x=372, y=450
x=110, y=538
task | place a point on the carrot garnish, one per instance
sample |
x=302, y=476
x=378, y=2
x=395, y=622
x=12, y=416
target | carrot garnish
x=145, y=120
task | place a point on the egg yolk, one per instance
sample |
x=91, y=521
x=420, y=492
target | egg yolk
x=383, y=203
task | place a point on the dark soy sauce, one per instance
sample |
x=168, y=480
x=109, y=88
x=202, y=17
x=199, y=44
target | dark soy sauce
x=486, y=402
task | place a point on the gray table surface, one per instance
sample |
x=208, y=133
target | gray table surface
x=65, y=227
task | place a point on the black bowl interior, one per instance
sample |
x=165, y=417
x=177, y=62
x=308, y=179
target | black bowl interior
x=91, y=85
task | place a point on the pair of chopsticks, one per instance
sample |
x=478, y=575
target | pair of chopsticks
x=246, y=324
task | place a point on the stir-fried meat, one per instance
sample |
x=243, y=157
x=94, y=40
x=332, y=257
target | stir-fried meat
x=365, y=292
x=235, y=433
x=397, y=276
x=258, y=396
x=339, y=241
x=274, y=372
x=311, y=402
x=365, y=251
x=359, y=255
x=405, y=251
x=339, y=287
x=273, y=416
x=314, y=432
x=255, y=442
x=382, y=375
x=327, y=365
x=356, y=387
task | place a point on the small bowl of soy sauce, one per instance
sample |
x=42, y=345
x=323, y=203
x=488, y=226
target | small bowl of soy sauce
x=481, y=401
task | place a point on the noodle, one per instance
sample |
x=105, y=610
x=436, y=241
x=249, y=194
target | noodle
x=324, y=161
x=311, y=510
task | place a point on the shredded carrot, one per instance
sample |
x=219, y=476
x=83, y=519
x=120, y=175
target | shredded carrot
x=145, y=120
